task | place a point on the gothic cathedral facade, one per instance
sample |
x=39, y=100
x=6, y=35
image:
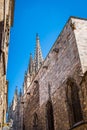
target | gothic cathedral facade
x=55, y=90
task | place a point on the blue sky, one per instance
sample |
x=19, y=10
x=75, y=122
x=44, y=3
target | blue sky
x=45, y=17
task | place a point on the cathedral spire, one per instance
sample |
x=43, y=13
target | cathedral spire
x=16, y=91
x=38, y=54
x=20, y=93
x=15, y=99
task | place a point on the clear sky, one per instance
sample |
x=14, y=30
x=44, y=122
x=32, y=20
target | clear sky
x=45, y=17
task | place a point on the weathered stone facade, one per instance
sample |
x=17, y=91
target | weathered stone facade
x=15, y=112
x=6, y=20
x=56, y=98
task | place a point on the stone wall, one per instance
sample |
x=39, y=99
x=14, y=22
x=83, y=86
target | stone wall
x=62, y=63
x=5, y=24
x=81, y=39
x=1, y=10
x=31, y=107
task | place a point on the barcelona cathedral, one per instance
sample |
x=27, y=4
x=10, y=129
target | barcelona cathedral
x=54, y=93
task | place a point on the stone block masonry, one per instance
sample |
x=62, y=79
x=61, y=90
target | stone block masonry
x=59, y=77
x=5, y=24
x=57, y=93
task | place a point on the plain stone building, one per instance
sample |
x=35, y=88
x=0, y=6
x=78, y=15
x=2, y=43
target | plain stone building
x=55, y=90
x=6, y=21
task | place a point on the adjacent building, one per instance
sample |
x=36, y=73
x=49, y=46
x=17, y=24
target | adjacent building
x=6, y=21
x=55, y=90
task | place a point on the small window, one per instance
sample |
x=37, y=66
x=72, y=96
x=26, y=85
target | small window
x=35, y=121
x=23, y=126
x=49, y=116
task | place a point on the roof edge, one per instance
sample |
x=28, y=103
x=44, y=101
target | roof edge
x=76, y=17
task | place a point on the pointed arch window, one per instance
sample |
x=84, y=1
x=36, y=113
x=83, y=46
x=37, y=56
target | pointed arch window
x=73, y=101
x=49, y=116
x=23, y=126
x=35, y=122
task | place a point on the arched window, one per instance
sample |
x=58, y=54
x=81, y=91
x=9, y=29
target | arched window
x=49, y=116
x=23, y=126
x=73, y=102
x=35, y=122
